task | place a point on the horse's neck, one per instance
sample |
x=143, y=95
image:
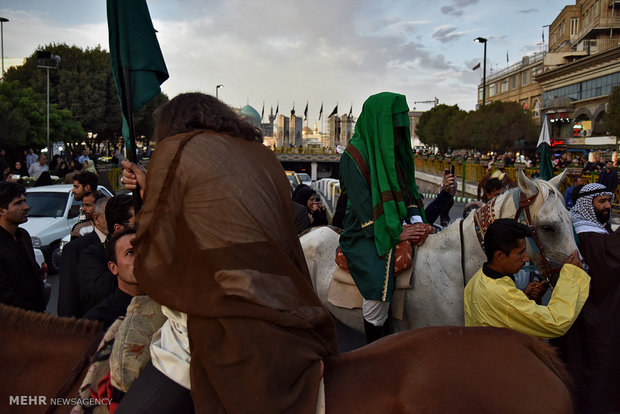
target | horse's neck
x=504, y=204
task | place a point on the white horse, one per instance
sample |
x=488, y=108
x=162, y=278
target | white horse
x=437, y=294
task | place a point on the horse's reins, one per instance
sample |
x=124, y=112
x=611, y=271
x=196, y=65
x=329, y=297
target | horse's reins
x=483, y=218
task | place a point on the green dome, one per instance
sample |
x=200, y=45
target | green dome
x=249, y=112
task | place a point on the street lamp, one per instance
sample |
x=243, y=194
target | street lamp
x=216, y=91
x=484, y=69
x=2, y=21
x=47, y=61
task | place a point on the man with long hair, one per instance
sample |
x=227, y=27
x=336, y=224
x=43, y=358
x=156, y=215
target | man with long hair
x=217, y=247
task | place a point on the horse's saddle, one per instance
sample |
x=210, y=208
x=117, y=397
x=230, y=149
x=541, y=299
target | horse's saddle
x=344, y=293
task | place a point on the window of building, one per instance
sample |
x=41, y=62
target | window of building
x=525, y=77
x=536, y=108
x=574, y=26
x=504, y=86
x=597, y=7
x=479, y=94
x=492, y=89
x=514, y=81
x=592, y=88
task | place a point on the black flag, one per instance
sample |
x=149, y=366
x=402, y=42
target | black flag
x=262, y=113
x=277, y=108
x=321, y=111
x=306, y=112
x=476, y=67
x=334, y=112
x=351, y=111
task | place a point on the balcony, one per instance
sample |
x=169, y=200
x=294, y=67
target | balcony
x=592, y=46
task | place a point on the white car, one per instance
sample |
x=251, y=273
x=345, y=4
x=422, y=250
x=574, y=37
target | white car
x=305, y=179
x=53, y=212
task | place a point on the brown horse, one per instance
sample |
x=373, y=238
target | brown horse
x=42, y=357
x=449, y=370
x=429, y=370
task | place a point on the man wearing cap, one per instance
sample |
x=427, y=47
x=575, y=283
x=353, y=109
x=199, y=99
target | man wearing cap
x=590, y=347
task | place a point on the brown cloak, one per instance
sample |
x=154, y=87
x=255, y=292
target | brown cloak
x=590, y=347
x=216, y=240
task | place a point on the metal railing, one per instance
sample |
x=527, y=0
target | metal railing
x=472, y=173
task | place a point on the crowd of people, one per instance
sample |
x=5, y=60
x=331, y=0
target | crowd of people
x=228, y=270
x=41, y=169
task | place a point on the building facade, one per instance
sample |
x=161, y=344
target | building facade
x=516, y=84
x=346, y=129
x=581, y=68
x=282, y=134
x=570, y=83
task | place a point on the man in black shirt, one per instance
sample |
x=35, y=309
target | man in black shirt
x=20, y=275
x=121, y=256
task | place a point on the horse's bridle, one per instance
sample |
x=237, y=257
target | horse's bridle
x=483, y=218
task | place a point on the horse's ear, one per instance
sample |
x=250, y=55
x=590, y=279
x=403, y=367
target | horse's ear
x=526, y=185
x=557, y=180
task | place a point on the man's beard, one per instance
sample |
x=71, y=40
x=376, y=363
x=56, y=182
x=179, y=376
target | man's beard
x=603, y=215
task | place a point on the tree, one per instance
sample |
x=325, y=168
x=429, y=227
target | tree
x=23, y=120
x=498, y=126
x=83, y=84
x=434, y=126
x=612, y=115
x=144, y=121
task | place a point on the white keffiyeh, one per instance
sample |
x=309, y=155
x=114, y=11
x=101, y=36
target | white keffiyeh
x=584, y=216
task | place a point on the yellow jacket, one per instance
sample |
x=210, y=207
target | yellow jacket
x=498, y=302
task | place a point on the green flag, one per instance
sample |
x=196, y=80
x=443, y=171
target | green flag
x=137, y=62
x=544, y=146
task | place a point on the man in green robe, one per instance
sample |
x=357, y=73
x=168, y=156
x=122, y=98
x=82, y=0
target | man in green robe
x=384, y=206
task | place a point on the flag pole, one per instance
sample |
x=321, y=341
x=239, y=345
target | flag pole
x=132, y=156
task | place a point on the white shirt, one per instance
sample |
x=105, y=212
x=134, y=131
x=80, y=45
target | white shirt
x=36, y=169
x=170, y=348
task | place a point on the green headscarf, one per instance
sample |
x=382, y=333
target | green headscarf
x=374, y=139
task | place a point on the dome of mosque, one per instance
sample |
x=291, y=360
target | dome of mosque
x=249, y=112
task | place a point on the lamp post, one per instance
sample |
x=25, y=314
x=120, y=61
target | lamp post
x=216, y=91
x=47, y=61
x=2, y=21
x=484, y=69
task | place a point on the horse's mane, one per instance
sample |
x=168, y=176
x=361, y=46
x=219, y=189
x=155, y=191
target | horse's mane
x=12, y=318
x=545, y=190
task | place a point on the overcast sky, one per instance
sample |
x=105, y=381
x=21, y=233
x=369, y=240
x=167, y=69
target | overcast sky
x=287, y=51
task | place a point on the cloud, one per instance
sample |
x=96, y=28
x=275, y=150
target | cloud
x=456, y=9
x=446, y=34
x=532, y=10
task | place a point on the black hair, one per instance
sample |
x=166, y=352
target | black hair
x=117, y=211
x=111, y=247
x=9, y=191
x=44, y=179
x=97, y=194
x=87, y=178
x=493, y=184
x=302, y=194
x=504, y=235
x=77, y=166
x=190, y=111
